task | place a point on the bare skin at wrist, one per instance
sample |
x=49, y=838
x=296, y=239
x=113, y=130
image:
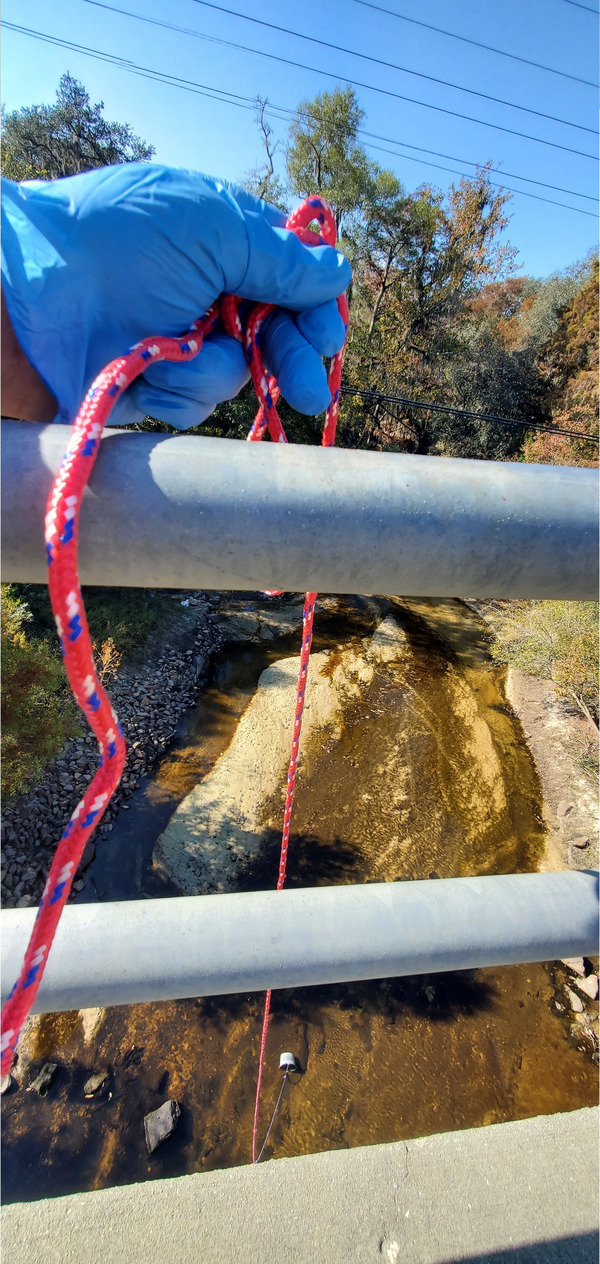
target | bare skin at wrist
x=24, y=395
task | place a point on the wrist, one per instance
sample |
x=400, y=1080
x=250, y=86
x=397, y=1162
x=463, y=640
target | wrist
x=24, y=395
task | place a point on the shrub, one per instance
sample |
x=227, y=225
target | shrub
x=557, y=640
x=37, y=712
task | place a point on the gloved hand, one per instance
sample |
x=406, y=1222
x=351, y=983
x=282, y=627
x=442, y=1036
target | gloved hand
x=93, y=263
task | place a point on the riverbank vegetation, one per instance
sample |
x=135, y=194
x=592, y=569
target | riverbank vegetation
x=38, y=713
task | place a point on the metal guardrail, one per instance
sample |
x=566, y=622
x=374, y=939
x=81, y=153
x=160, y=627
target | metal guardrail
x=193, y=512
x=152, y=950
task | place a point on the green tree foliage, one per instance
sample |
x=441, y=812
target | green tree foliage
x=37, y=713
x=44, y=142
x=423, y=258
x=557, y=640
x=324, y=155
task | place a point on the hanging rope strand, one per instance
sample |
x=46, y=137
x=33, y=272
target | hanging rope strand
x=267, y=417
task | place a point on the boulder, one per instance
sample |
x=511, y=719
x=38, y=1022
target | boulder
x=588, y=986
x=161, y=1124
x=575, y=964
x=96, y=1083
x=574, y=1000
x=43, y=1079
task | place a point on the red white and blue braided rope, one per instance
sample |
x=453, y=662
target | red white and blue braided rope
x=62, y=521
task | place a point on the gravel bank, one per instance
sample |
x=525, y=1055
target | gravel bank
x=150, y=696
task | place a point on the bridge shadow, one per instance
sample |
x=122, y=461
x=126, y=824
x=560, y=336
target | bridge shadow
x=578, y=1248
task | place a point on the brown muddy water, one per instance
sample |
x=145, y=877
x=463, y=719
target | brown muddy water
x=425, y=774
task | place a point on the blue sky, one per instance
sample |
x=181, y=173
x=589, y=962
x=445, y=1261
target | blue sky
x=188, y=129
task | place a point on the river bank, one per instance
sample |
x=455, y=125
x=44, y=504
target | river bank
x=153, y=690
x=559, y=739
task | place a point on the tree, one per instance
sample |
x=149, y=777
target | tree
x=263, y=180
x=568, y=366
x=44, y=142
x=424, y=259
x=324, y=155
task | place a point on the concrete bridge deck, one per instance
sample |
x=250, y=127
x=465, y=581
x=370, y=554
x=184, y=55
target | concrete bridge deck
x=514, y=1193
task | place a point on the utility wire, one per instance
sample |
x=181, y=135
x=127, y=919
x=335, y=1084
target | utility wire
x=386, y=139
x=466, y=412
x=388, y=65
x=500, y=52
x=249, y=103
x=576, y=5
x=511, y=175
x=452, y=170
x=276, y=111
x=357, y=83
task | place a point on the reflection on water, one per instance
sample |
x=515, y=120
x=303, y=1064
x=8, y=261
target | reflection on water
x=429, y=776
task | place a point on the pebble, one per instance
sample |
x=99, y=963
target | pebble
x=563, y=808
x=579, y=842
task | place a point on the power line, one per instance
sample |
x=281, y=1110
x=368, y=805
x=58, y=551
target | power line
x=143, y=72
x=452, y=171
x=466, y=412
x=367, y=4
x=388, y=65
x=386, y=139
x=248, y=103
x=511, y=175
x=276, y=111
x=356, y=83
x=576, y=5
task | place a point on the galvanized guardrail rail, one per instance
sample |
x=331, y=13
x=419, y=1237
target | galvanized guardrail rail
x=207, y=513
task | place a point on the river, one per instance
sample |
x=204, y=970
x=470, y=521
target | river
x=418, y=769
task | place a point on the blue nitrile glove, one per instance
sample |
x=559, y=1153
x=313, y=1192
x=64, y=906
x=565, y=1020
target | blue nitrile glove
x=93, y=263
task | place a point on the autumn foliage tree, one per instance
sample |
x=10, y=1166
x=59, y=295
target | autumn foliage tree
x=568, y=365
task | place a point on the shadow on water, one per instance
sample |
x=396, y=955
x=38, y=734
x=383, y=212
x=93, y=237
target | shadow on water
x=428, y=776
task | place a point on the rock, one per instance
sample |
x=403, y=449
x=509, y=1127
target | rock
x=6, y=1084
x=161, y=1124
x=575, y=1002
x=563, y=808
x=96, y=1082
x=588, y=986
x=430, y=993
x=575, y=964
x=579, y=842
x=43, y=1079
